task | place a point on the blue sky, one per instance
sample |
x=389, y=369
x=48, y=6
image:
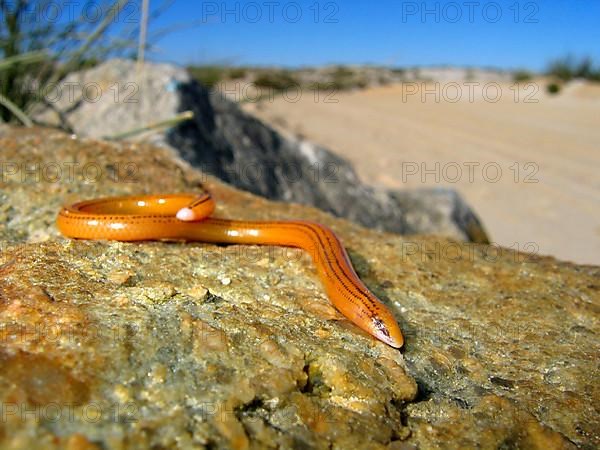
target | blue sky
x=506, y=34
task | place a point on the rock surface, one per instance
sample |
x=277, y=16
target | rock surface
x=174, y=345
x=224, y=141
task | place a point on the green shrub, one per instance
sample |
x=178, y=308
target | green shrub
x=277, y=80
x=522, y=75
x=237, y=73
x=343, y=72
x=208, y=75
x=562, y=69
x=568, y=67
x=361, y=83
x=553, y=88
x=343, y=78
x=323, y=86
x=383, y=80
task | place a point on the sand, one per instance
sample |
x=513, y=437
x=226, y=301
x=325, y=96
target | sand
x=526, y=161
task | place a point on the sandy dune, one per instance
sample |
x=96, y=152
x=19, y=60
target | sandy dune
x=527, y=162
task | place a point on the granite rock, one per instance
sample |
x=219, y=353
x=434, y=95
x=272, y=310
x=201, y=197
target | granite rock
x=190, y=345
x=221, y=139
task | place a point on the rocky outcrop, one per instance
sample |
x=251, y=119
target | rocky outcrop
x=224, y=141
x=190, y=345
